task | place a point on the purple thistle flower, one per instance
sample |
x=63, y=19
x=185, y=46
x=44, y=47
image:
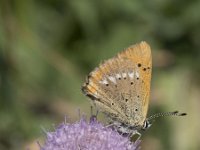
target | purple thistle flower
x=85, y=135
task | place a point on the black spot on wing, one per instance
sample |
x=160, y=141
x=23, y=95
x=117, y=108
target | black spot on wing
x=139, y=64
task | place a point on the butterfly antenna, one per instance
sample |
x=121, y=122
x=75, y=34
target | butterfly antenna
x=174, y=113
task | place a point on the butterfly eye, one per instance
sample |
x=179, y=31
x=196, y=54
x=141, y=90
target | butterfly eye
x=146, y=125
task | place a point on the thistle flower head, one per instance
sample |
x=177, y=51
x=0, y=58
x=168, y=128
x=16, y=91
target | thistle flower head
x=84, y=135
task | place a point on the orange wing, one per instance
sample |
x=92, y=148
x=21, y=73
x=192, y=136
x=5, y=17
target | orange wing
x=141, y=55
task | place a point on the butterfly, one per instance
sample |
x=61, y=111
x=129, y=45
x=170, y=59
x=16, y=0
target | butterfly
x=120, y=88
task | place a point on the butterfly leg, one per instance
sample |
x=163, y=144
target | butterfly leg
x=93, y=116
x=139, y=135
x=135, y=135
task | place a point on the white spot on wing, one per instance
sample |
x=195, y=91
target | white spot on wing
x=111, y=78
x=103, y=81
x=124, y=75
x=131, y=75
x=137, y=74
x=118, y=76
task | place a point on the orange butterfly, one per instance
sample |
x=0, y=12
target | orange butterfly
x=120, y=87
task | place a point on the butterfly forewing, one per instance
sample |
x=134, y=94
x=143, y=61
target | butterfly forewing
x=120, y=86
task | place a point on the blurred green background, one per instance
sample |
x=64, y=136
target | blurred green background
x=47, y=47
